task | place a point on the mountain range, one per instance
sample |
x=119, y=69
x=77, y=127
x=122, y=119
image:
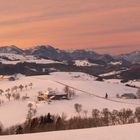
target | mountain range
x=49, y=52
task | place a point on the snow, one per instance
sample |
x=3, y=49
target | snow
x=12, y=56
x=116, y=63
x=84, y=63
x=16, y=58
x=122, y=132
x=112, y=73
x=134, y=83
x=17, y=110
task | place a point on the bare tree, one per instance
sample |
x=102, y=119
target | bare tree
x=26, y=87
x=70, y=93
x=8, y=96
x=106, y=115
x=138, y=93
x=1, y=102
x=85, y=113
x=31, y=85
x=14, y=89
x=7, y=90
x=21, y=87
x=78, y=108
x=17, y=97
x=31, y=112
x=137, y=113
x=96, y=115
x=1, y=91
x=66, y=89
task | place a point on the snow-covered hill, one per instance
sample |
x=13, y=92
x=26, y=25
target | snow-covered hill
x=84, y=63
x=9, y=58
x=89, y=92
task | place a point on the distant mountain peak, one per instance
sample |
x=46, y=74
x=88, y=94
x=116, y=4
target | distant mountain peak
x=43, y=47
x=11, y=49
x=47, y=51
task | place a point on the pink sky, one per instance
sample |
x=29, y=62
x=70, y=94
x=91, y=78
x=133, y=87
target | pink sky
x=104, y=25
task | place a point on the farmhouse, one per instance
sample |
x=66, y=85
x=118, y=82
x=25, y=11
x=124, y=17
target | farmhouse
x=51, y=95
x=11, y=78
x=129, y=96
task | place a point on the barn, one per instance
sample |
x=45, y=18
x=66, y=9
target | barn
x=129, y=96
x=51, y=95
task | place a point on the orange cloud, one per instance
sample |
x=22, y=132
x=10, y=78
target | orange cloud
x=71, y=24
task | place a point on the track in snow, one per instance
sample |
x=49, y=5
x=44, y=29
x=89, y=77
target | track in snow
x=91, y=94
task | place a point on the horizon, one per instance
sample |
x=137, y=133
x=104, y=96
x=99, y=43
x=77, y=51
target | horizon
x=104, y=26
x=72, y=49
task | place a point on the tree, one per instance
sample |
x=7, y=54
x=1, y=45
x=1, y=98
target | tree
x=7, y=90
x=59, y=123
x=19, y=130
x=31, y=85
x=106, y=116
x=16, y=96
x=49, y=118
x=137, y=113
x=31, y=112
x=78, y=108
x=69, y=92
x=85, y=113
x=21, y=87
x=95, y=113
x=114, y=117
x=138, y=93
x=66, y=89
x=1, y=127
x=14, y=89
x=26, y=87
x=8, y=96
x=1, y=91
x=125, y=115
x=1, y=102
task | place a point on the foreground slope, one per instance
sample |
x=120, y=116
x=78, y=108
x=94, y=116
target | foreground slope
x=17, y=110
x=123, y=132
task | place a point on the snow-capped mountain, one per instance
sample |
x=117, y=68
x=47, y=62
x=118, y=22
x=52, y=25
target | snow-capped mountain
x=61, y=55
x=49, y=52
x=133, y=57
x=11, y=49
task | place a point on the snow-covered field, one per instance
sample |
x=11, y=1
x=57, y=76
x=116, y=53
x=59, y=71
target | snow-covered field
x=16, y=58
x=112, y=73
x=84, y=63
x=124, y=132
x=14, y=112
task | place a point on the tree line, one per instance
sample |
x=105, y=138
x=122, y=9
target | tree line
x=99, y=118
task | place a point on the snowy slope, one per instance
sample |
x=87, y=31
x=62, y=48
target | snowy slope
x=116, y=63
x=112, y=73
x=17, y=110
x=84, y=63
x=17, y=58
x=124, y=132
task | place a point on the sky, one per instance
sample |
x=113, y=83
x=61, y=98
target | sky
x=108, y=26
